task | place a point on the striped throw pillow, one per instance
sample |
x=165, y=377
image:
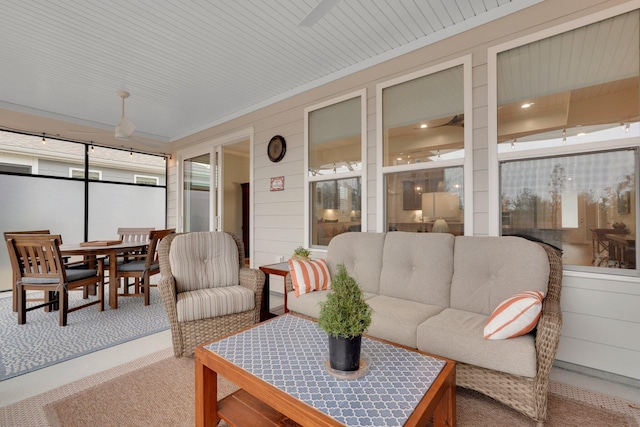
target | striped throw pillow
x=514, y=316
x=309, y=276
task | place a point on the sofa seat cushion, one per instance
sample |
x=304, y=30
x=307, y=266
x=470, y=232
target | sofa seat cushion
x=308, y=304
x=396, y=320
x=214, y=302
x=458, y=335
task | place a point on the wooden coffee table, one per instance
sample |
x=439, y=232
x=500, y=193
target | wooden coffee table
x=279, y=366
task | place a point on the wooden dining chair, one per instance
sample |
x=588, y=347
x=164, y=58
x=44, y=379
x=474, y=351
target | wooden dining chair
x=37, y=259
x=14, y=273
x=142, y=266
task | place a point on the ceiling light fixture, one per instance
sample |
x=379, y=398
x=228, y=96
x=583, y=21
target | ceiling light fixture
x=131, y=153
x=527, y=104
x=44, y=141
x=423, y=126
x=513, y=143
x=626, y=128
x=564, y=136
x=438, y=154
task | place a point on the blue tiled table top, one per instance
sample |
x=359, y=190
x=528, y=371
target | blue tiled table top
x=289, y=352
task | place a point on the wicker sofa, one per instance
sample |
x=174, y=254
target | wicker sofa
x=435, y=292
x=203, y=273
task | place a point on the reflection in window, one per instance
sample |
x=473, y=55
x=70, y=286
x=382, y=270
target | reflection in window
x=336, y=208
x=125, y=166
x=197, y=178
x=423, y=119
x=335, y=168
x=568, y=128
x=335, y=142
x=429, y=200
x=584, y=204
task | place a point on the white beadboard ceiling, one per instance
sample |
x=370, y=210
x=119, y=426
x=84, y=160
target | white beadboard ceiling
x=192, y=64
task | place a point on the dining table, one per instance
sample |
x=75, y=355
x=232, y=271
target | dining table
x=104, y=248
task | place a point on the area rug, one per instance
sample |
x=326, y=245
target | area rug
x=41, y=342
x=159, y=390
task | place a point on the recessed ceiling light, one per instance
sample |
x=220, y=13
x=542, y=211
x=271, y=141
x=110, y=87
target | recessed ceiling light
x=527, y=104
x=423, y=126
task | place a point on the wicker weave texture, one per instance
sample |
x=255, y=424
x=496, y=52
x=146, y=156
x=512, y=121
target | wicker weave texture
x=188, y=335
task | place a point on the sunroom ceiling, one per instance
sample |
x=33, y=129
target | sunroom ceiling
x=191, y=65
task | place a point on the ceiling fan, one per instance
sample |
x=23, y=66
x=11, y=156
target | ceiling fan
x=124, y=129
x=457, y=120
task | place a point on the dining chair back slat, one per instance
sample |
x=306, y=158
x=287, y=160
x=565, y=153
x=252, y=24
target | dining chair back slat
x=140, y=234
x=142, y=266
x=38, y=262
x=14, y=296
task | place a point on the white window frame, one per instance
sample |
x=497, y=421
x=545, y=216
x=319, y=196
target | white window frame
x=71, y=170
x=466, y=162
x=494, y=210
x=362, y=173
x=154, y=178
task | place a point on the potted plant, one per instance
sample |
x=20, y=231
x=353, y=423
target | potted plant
x=301, y=254
x=344, y=316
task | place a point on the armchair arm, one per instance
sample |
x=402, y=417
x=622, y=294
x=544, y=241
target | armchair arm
x=253, y=279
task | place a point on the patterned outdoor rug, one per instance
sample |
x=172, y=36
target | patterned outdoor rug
x=41, y=342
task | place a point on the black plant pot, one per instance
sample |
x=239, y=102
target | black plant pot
x=344, y=353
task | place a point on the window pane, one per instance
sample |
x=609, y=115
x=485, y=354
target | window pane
x=416, y=200
x=124, y=166
x=573, y=88
x=336, y=208
x=583, y=204
x=134, y=206
x=38, y=203
x=335, y=141
x=423, y=119
x=197, y=176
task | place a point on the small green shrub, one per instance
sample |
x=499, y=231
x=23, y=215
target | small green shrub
x=302, y=252
x=345, y=313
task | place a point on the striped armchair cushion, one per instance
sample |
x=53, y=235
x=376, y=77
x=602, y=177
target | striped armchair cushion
x=204, y=260
x=213, y=302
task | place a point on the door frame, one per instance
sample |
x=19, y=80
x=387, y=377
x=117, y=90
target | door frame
x=214, y=147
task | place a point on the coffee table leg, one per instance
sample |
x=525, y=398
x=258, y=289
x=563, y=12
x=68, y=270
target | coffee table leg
x=445, y=413
x=206, y=395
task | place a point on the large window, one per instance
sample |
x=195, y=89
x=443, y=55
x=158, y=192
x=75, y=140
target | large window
x=567, y=138
x=422, y=146
x=335, y=168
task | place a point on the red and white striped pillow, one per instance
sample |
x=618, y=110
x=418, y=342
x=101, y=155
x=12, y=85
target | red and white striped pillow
x=514, y=316
x=309, y=276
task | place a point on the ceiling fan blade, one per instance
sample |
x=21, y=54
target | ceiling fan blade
x=318, y=12
x=124, y=129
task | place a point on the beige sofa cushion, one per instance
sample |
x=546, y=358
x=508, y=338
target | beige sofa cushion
x=396, y=320
x=488, y=270
x=308, y=304
x=457, y=335
x=361, y=254
x=418, y=267
x=204, y=260
x=214, y=302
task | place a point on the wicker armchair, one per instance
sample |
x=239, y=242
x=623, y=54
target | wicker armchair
x=188, y=334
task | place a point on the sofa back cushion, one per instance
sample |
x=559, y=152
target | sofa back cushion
x=418, y=267
x=488, y=270
x=204, y=260
x=361, y=254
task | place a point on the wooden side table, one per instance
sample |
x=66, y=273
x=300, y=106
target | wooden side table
x=279, y=269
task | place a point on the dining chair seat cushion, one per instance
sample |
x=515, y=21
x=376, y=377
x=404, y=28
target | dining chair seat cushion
x=202, y=260
x=214, y=302
x=72, y=275
x=136, y=266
